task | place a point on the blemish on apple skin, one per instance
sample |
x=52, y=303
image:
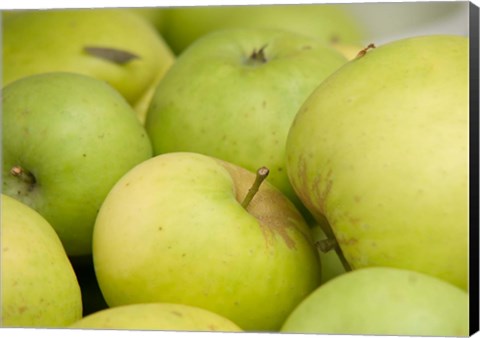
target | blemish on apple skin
x=412, y=279
x=344, y=241
x=22, y=309
x=176, y=313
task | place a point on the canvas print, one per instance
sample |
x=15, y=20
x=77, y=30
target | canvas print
x=296, y=168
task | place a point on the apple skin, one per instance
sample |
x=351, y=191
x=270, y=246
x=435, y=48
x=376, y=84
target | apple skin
x=216, y=101
x=39, y=287
x=53, y=40
x=157, y=316
x=172, y=230
x=77, y=136
x=383, y=301
x=382, y=152
x=184, y=25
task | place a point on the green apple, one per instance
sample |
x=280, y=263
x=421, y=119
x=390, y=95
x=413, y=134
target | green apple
x=383, y=301
x=157, y=316
x=381, y=149
x=67, y=138
x=112, y=45
x=184, y=25
x=154, y=15
x=38, y=284
x=176, y=229
x=234, y=94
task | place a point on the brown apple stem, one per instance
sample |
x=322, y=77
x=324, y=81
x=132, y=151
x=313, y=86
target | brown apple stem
x=23, y=175
x=262, y=174
x=258, y=56
x=327, y=229
x=365, y=50
x=325, y=245
x=340, y=255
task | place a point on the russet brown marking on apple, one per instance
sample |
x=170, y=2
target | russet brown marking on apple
x=321, y=191
x=344, y=241
x=176, y=313
x=272, y=210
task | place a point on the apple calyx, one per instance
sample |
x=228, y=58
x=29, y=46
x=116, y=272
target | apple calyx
x=23, y=175
x=262, y=174
x=114, y=55
x=365, y=50
x=258, y=56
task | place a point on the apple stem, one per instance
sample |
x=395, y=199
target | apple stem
x=340, y=255
x=23, y=175
x=365, y=50
x=262, y=174
x=325, y=245
x=259, y=56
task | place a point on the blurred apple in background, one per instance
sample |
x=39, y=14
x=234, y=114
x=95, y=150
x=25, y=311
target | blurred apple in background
x=233, y=95
x=184, y=25
x=154, y=15
x=382, y=152
x=38, y=285
x=112, y=45
x=157, y=316
x=383, y=301
x=390, y=21
x=67, y=138
x=175, y=229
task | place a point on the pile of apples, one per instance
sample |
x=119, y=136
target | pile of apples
x=255, y=168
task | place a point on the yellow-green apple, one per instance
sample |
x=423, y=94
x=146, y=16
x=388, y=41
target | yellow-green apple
x=38, y=284
x=183, y=25
x=154, y=15
x=178, y=228
x=234, y=94
x=113, y=45
x=381, y=149
x=157, y=316
x=383, y=301
x=67, y=138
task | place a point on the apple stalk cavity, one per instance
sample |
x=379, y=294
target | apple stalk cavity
x=23, y=175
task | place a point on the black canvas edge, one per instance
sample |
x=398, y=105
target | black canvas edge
x=474, y=210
